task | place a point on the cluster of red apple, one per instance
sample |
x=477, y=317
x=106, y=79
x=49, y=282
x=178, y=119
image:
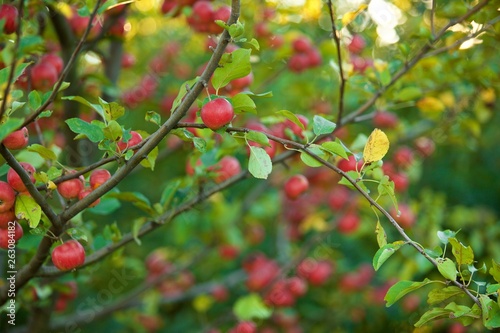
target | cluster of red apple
x=43, y=74
x=264, y=33
x=355, y=47
x=157, y=264
x=203, y=14
x=305, y=55
x=10, y=15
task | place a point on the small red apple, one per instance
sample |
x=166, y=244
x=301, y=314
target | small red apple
x=403, y=157
x=385, y=119
x=68, y=256
x=298, y=62
x=228, y=251
x=297, y=286
x=425, y=146
x=217, y=113
x=70, y=189
x=349, y=164
x=295, y=186
x=357, y=44
x=83, y=193
x=401, y=182
x=301, y=44
x=134, y=140
x=10, y=14
x=406, y=218
x=55, y=60
x=226, y=168
x=17, y=139
x=245, y=327
x=43, y=76
x=220, y=292
x=338, y=197
x=11, y=234
x=6, y=217
x=348, y=223
x=15, y=181
x=98, y=177
x=7, y=197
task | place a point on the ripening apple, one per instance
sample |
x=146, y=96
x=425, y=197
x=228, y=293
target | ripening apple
x=10, y=14
x=98, y=177
x=385, y=119
x=220, y=293
x=15, y=181
x=6, y=217
x=295, y=186
x=68, y=256
x=425, y=146
x=14, y=228
x=338, y=198
x=401, y=181
x=357, y=44
x=71, y=188
x=226, y=168
x=280, y=295
x=403, y=157
x=245, y=327
x=217, y=113
x=350, y=164
x=43, y=76
x=17, y=139
x=7, y=197
x=348, y=223
x=297, y=286
x=55, y=60
x=406, y=218
x=134, y=140
x=301, y=44
x=86, y=191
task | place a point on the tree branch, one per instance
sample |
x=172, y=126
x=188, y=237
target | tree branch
x=339, y=60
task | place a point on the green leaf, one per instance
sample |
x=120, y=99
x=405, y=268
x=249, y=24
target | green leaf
x=153, y=117
x=335, y=148
x=34, y=100
x=243, y=103
x=113, y=131
x=386, y=187
x=492, y=288
x=45, y=153
x=495, y=270
x=168, y=193
x=447, y=268
x=384, y=253
x=260, y=164
x=433, y=314
x=150, y=160
x=251, y=307
x=292, y=117
x=408, y=94
x=444, y=236
x=464, y=255
x=267, y=94
x=491, y=312
x=233, y=66
x=96, y=107
x=93, y=132
x=236, y=29
x=10, y=126
x=136, y=198
x=200, y=144
x=5, y=72
x=254, y=43
x=322, y=125
x=112, y=111
x=258, y=137
x=136, y=227
x=27, y=209
x=438, y=295
x=354, y=175
x=182, y=92
x=402, y=288
x=381, y=235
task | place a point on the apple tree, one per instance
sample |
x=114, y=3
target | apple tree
x=249, y=166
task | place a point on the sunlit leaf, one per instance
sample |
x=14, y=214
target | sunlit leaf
x=376, y=147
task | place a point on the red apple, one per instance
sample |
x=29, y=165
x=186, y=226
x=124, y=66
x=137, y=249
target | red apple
x=7, y=216
x=262, y=275
x=217, y=113
x=321, y=273
x=220, y=293
x=134, y=140
x=385, y=119
x=55, y=60
x=157, y=262
x=425, y=146
x=226, y=168
x=348, y=223
x=357, y=44
x=10, y=14
x=128, y=60
x=43, y=76
x=86, y=192
x=406, y=218
x=403, y=157
x=15, y=181
x=297, y=286
x=68, y=256
x=280, y=295
x=242, y=83
x=295, y=186
x=98, y=177
x=7, y=197
x=296, y=129
x=245, y=327
x=298, y=62
x=401, y=182
x=70, y=189
x=338, y=197
x=10, y=235
x=301, y=44
x=17, y=139
x=228, y=251
x=350, y=164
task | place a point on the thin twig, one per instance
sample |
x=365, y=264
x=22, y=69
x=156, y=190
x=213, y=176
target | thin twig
x=433, y=13
x=14, y=59
x=339, y=60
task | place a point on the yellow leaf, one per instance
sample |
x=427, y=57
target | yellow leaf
x=203, y=302
x=431, y=106
x=51, y=185
x=350, y=16
x=376, y=147
x=314, y=222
